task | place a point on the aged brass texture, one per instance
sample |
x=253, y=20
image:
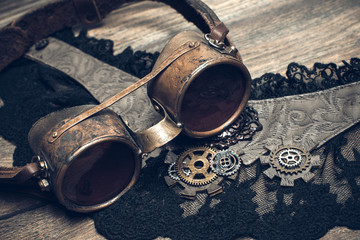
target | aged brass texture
x=93, y=163
x=203, y=91
x=87, y=156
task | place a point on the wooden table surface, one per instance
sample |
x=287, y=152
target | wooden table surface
x=269, y=35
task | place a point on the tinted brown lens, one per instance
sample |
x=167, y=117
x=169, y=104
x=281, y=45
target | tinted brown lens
x=212, y=98
x=99, y=173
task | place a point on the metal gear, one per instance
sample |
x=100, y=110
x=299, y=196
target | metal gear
x=289, y=163
x=290, y=159
x=189, y=192
x=225, y=163
x=193, y=166
x=172, y=172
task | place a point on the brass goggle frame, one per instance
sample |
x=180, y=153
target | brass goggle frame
x=89, y=157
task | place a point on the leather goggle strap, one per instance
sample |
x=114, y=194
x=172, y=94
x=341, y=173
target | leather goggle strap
x=18, y=175
x=23, y=180
x=22, y=33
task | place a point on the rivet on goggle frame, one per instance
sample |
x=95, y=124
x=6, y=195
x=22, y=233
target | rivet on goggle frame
x=43, y=174
x=191, y=44
x=54, y=134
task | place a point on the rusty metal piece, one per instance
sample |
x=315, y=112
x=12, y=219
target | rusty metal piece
x=198, y=161
x=99, y=147
x=43, y=172
x=203, y=90
x=87, y=154
x=79, y=141
x=173, y=56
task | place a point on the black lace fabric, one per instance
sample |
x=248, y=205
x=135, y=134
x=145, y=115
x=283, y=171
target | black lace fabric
x=250, y=206
x=299, y=79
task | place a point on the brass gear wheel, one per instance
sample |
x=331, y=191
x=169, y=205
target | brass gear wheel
x=290, y=159
x=193, y=166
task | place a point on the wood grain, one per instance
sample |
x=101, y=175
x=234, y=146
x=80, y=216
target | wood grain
x=48, y=222
x=11, y=10
x=269, y=35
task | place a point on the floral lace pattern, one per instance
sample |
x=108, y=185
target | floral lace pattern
x=301, y=80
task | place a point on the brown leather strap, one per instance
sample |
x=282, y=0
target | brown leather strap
x=188, y=46
x=219, y=32
x=18, y=175
x=23, y=180
x=19, y=35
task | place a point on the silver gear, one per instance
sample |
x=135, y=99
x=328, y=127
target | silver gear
x=281, y=160
x=289, y=169
x=225, y=163
x=172, y=172
x=290, y=157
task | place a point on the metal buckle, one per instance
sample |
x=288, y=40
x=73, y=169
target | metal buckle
x=221, y=46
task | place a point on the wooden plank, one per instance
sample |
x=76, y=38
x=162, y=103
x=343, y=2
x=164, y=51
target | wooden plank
x=13, y=203
x=269, y=34
x=48, y=222
x=11, y=10
x=6, y=153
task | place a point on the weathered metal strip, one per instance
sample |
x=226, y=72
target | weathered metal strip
x=100, y=79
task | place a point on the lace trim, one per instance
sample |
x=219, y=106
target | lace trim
x=300, y=80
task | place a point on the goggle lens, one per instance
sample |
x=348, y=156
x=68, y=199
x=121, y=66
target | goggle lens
x=212, y=98
x=99, y=173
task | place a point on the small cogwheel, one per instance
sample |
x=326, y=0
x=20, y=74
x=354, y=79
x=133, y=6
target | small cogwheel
x=193, y=166
x=189, y=192
x=290, y=159
x=290, y=163
x=172, y=172
x=225, y=163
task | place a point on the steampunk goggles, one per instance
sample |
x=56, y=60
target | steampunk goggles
x=88, y=157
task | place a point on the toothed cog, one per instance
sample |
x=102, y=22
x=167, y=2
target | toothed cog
x=290, y=163
x=225, y=163
x=193, y=166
